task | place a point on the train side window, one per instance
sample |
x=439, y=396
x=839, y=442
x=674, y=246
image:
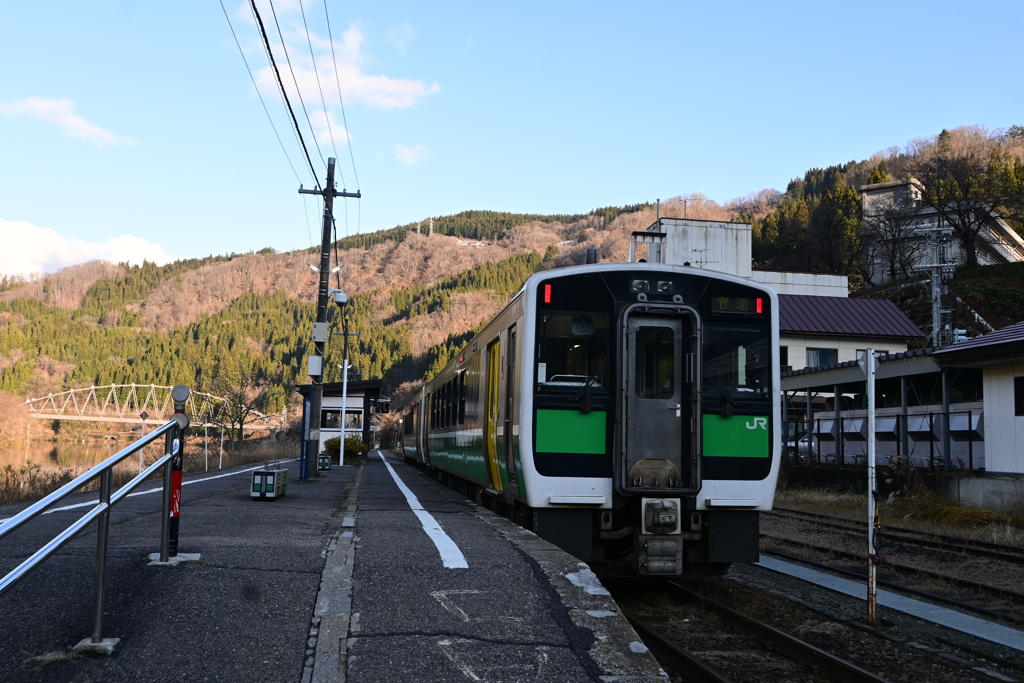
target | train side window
x=462, y=398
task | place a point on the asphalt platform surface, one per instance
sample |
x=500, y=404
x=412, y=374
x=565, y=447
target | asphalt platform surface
x=343, y=579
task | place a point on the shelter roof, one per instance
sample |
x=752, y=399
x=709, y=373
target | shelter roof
x=1006, y=344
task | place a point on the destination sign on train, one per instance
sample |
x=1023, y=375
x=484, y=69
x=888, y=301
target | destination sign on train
x=737, y=304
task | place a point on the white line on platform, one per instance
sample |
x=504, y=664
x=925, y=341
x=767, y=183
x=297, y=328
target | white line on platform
x=142, y=493
x=451, y=556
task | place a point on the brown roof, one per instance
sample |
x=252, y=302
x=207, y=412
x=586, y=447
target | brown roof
x=832, y=315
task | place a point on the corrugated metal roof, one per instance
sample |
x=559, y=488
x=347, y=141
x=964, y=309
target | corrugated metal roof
x=1013, y=333
x=832, y=315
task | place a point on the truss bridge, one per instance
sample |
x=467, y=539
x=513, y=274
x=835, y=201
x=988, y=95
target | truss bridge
x=127, y=403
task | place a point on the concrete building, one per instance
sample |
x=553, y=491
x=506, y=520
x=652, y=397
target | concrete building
x=1000, y=357
x=897, y=234
x=358, y=408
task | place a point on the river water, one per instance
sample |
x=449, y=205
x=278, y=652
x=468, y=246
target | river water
x=58, y=454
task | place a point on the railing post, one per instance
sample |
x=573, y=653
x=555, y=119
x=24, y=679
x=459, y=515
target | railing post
x=180, y=394
x=102, y=533
x=165, y=516
x=175, y=505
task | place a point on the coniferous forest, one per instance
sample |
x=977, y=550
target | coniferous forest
x=415, y=299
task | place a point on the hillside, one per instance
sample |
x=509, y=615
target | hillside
x=230, y=319
x=243, y=320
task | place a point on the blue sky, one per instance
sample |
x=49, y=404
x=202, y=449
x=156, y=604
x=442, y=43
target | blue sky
x=132, y=129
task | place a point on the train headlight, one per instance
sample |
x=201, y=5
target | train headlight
x=661, y=516
x=639, y=286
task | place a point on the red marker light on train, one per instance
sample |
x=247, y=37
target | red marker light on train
x=759, y=306
x=547, y=294
x=462, y=359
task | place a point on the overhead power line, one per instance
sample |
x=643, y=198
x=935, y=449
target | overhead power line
x=284, y=94
x=298, y=90
x=253, y=79
x=344, y=119
x=327, y=118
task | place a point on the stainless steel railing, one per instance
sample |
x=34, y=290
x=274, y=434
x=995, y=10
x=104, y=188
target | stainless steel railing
x=172, y=432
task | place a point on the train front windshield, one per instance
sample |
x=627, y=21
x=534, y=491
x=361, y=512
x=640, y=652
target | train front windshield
x=654, y=323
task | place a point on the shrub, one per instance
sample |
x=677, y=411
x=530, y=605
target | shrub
x=354, y=448
x=333, y=446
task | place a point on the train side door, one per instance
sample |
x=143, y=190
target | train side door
x=658, y=401
x=493, y=437
x=511, y=414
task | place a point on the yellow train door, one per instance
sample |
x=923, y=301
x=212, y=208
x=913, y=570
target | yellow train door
x=494, y=439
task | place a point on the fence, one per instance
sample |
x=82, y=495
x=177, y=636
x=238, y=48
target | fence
x=917, y=440
x=170, y=462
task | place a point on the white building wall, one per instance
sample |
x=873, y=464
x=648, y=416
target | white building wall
x=334, y=402
x=807, y=284
x=714, y=245
x=1004, y=432
x=847, y=347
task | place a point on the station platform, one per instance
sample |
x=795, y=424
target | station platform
x=371, y=573
x=444, y=590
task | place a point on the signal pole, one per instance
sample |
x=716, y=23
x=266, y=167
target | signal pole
x=320, y=330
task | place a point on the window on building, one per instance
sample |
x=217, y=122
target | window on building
x=819, y=357
x=330, y=419
x=353, y=419
x=783, y=355
x=1018, y=396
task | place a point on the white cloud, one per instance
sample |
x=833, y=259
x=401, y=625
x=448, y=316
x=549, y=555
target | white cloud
x=411, y=155
x=328, y=129
x=29, y=250
x=346, y=73
x=400, y=36
x=62, y=113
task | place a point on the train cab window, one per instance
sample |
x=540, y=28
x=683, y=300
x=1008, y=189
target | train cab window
x=655, y=362
x=572, y=352
x=736, y=363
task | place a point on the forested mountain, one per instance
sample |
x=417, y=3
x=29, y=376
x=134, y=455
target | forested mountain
x=245, y=319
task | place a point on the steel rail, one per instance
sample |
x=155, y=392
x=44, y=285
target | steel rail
x=1004, y=592
x=900, y=536
x=953, y=540
x=899, y=587
x=683, y=659
x=834, y=667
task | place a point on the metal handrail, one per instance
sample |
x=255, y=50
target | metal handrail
x=172, y=431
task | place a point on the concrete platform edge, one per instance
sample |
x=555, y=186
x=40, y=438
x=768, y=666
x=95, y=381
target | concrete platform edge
x=617, y=651
x=327, y=649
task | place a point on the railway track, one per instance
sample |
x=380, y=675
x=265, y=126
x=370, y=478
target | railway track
x=818, y=662
x=993, y=590
x=996, y=551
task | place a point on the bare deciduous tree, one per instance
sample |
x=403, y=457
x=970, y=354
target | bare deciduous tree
x=890, y=240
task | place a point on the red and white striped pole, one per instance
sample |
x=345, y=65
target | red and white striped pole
x=179, y=394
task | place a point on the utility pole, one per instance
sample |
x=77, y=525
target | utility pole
x=320, y=330
x=941, y=272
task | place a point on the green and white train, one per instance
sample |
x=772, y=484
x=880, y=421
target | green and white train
x=626, y=412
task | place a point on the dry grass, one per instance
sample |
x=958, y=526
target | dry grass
x=32, y=482
x=915, y=506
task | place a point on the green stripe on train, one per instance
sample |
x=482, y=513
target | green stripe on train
x=570, y=431
x=739, y=436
